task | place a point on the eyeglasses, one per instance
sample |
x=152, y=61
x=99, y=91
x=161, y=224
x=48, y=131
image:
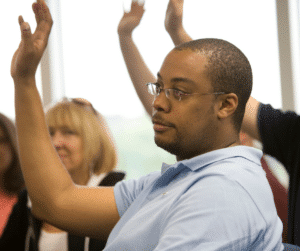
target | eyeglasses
x=83, y=102
x=155, y=89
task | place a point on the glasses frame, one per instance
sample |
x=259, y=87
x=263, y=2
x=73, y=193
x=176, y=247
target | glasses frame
x=168, y=93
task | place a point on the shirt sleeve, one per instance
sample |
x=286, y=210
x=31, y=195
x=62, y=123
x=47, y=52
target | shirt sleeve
x=279, y=131
x=127, y=191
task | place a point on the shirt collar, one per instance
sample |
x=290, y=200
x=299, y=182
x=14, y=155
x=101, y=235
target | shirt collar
x=250, y=153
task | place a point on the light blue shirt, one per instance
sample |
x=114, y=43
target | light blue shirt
x=220, y=200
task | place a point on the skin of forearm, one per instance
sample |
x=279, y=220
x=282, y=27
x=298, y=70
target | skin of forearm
x=250, y=122
x=138, y=70
x=179, y=36
x=44, y=174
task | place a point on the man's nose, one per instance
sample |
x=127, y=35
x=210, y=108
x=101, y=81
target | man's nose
x=161, y=102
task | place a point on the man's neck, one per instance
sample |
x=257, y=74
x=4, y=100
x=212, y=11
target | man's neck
x=229, y=142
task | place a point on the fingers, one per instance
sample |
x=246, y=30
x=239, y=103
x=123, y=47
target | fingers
x=137, y=3
x=43, y=19
x=25, y=29
x=21, y=20
x=42, y=12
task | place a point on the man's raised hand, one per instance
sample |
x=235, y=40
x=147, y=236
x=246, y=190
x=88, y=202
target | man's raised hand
x=32, y=46
x=131, y=19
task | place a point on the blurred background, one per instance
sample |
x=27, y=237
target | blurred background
x=84, y=59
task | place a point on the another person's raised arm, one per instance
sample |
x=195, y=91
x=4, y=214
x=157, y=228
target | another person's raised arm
x=250, y=122
x=174, y=26
x=55, y=198
x=137, y=68
x=173, y=22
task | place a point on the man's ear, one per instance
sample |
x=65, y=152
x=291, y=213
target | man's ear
x=227, y=105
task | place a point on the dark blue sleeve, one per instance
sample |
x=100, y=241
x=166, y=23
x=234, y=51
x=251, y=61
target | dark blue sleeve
x=280, y=135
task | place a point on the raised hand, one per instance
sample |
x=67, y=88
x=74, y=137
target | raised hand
x=32, y=46
x=173, y=20
x=131, y=20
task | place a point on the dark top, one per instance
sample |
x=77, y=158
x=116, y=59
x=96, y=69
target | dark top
x=280, y=198
x=280, y=136
x=21, y=221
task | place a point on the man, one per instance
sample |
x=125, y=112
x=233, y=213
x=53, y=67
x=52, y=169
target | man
x=261, y=121
x=216, y=197
x=140, y=74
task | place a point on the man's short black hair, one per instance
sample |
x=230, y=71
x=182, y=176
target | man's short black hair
x=228, y=70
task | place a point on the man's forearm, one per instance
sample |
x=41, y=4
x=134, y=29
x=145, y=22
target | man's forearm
x=44, y=174
x=179, y=36
x=138, y=70
x=250, y=120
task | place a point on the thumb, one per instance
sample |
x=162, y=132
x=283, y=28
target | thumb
x=25, y=29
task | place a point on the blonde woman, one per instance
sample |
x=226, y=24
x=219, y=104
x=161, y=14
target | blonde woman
x=83, y=142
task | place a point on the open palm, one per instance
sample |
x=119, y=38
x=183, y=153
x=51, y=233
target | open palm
x=32, y=46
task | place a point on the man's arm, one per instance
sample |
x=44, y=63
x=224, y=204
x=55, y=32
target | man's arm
x=173, y=22
x=137, y=68
x=55, y=198
x=250, y=121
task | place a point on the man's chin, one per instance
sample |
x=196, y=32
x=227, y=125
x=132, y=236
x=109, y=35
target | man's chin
x=170, y=147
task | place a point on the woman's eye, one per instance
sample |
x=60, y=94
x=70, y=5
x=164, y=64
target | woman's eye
x=68, y=132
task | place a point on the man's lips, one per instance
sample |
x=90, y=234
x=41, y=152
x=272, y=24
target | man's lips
x=160, y=128
x=160, y=125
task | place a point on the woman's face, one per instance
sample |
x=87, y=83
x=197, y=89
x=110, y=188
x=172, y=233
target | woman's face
x=6, y=154
x=69, y=146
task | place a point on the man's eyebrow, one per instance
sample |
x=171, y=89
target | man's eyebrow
x=178, y=79
x=182, y=80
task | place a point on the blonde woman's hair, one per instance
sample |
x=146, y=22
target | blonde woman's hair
x=99, y=150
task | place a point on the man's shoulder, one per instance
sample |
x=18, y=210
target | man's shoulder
x=225, y=159
x=139, y=183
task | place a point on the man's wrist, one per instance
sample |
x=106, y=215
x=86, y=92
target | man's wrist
x=176, y=32
x=125, y=36
x=175, y=29
x=25, y=82
x=125, y=33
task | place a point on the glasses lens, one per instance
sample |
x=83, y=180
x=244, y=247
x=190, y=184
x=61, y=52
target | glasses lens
x=174, y=94
x=153, y=89
x=169, y=92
